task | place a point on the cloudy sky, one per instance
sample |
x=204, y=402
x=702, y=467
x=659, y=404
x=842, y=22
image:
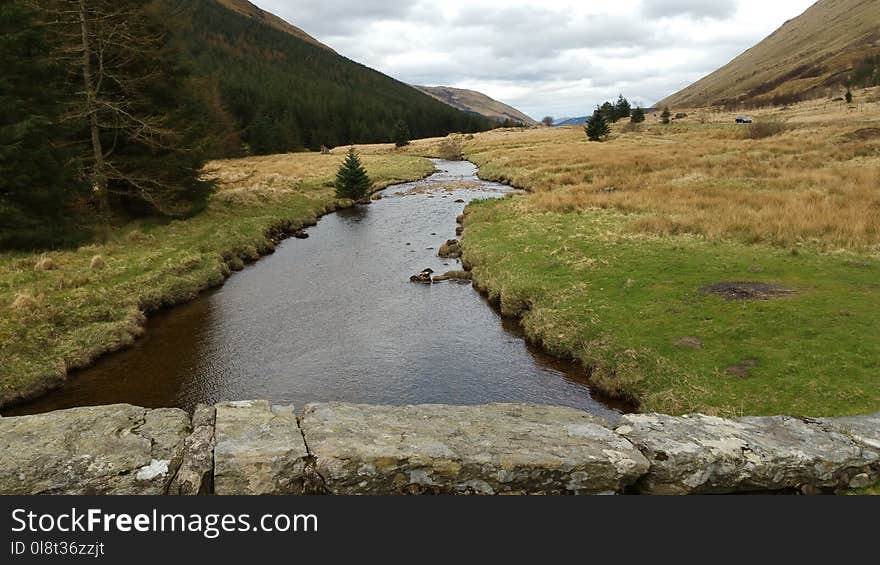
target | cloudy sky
x=546, y=57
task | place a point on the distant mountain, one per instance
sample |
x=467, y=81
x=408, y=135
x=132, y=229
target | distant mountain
x=275, y=89
x=477, y=102
x=833, y=42
x=572, y=121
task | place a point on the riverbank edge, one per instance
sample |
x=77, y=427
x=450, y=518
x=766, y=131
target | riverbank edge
x=515, y=309
x=232, y=259
x=601, y=373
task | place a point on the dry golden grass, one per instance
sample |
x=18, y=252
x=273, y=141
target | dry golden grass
x=262, y=180
x=815, y=181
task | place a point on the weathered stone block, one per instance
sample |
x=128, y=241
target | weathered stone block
x=195, y=477
x=120, y=450
x=494, y=449
x=703, y=454
x=259, y=450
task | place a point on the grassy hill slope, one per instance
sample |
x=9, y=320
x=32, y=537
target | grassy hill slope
x=816, y=53
x=473, y=101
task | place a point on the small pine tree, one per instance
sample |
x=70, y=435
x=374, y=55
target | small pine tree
x=401, y=134
x=666, y=116
x=609, y=112
x=352, y=181
x=637, y=116
x=597, y=128
x=623, y=108
x=849, y=95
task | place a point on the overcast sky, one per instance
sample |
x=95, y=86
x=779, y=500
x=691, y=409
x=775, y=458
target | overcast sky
x=545, y=57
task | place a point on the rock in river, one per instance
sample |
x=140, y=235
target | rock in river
x=493, y=449
x=451, y=249
x=424, y=277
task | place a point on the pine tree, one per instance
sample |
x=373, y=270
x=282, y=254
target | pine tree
x=401, y=134
x=37, y=186
x=666, y=116
x=637, y=116
x=597, y=128
x=849, y=95
x=352, y=181
x=140, y=126
x=608, y=112
x=622, y=109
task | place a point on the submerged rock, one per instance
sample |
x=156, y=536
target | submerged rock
x=493, y=449
x=107, y=450
x=455, y=276
x=703, y=454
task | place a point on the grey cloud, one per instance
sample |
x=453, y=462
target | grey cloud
x=338, y=17
x=716, y=9
x=543, y=58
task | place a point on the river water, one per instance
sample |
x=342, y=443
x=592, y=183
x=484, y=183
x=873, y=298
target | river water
x=334, y=317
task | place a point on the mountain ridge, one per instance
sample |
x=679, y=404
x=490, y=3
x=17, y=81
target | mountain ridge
x=808, y=56
x=248, y=9
x=474, y=101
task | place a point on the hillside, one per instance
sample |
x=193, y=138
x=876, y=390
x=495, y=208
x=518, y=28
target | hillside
x=275, y=89
x=817, y=52
x=572, y=122
x=245, y=8
x=477, y=102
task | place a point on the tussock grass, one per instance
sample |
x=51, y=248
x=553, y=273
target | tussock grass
x=54, y=321
x=812, y=183
x=766, y=128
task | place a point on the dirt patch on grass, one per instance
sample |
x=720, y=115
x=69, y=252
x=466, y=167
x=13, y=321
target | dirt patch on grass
x=742, y=370
x=864, y=134
x=740, y=291
x=689, y=342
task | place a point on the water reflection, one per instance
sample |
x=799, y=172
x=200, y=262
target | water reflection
x=334, y=317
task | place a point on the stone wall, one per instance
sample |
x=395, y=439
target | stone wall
x=255, y=448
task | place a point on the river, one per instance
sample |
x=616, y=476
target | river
x=334, y=317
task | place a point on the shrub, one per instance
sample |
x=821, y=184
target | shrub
x=450, y=149
x=637, y=116
x=768, y=128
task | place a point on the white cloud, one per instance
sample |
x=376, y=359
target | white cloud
x=556, y=57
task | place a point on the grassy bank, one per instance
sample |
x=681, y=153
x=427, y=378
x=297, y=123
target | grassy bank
x=608, y=260
x=59, y=311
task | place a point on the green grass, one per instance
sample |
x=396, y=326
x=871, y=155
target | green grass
x=54, y=321
x=870, y=491
x=588, y=289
